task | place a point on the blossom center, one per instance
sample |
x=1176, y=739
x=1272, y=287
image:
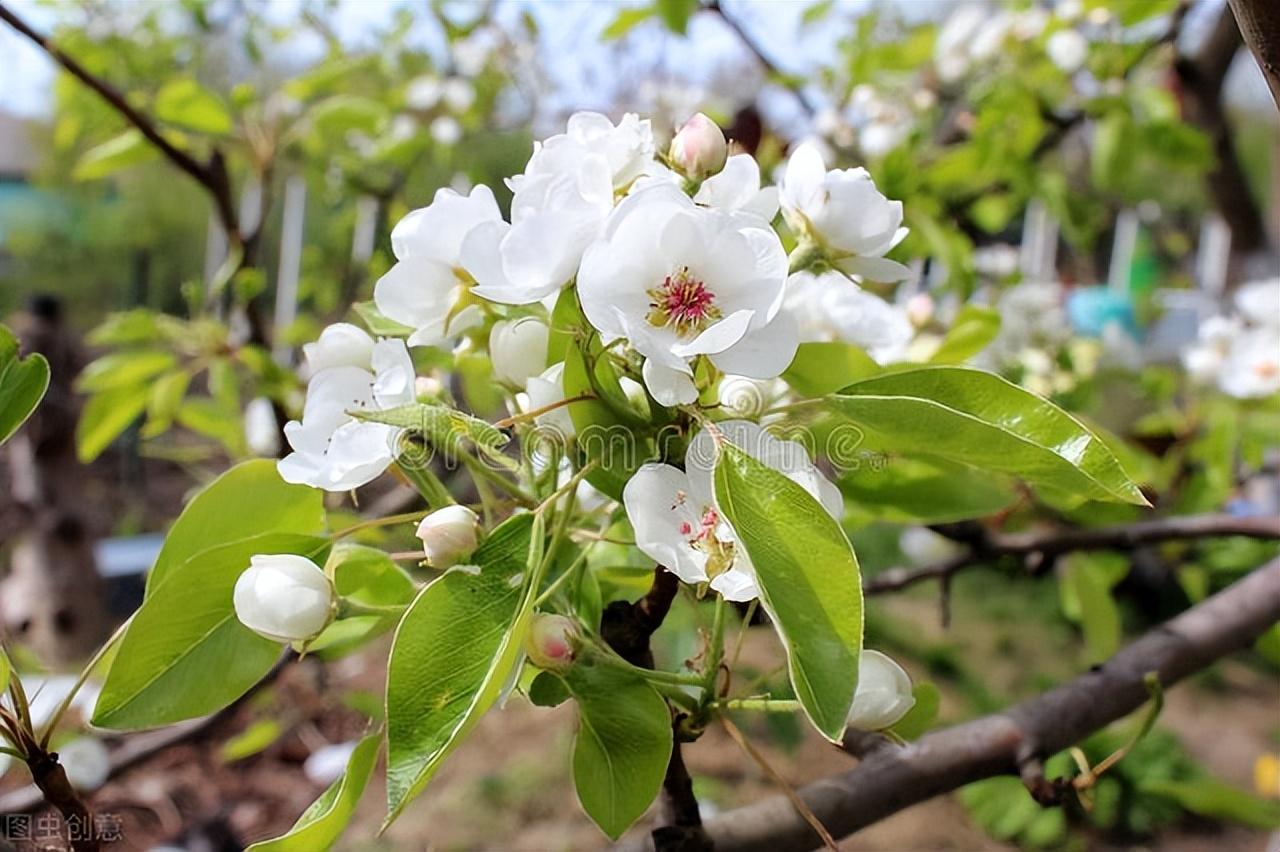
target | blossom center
x=683, y=303
x=702, y=536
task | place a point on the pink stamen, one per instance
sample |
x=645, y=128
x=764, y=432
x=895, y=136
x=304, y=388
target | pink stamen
x=682, y=301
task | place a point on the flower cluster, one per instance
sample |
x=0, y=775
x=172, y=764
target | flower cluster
x=673, y=257
x=1240, y=352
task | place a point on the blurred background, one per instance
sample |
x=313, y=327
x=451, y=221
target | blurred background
x=1105, y=176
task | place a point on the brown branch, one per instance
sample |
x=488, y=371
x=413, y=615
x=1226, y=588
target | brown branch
x=770, y=67
x=1259, y=22
x=1041, y=548
x=212, y=175
x=891, y=779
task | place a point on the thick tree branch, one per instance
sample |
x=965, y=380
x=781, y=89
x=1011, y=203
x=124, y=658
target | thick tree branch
x=1259, y=22
x=890, y=779
x=1040, y=548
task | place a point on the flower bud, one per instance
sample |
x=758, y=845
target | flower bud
x=518, y=349
x=699, y=149
x=553, y=642
x=884, y=693
x=284, y=597
x=261, y=431
x=920, y=308
x=448, y=535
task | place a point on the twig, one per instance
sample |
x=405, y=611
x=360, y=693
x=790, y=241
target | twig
x=1041, y=548
x=749, y=42
x=891, y=779
x=1259, y=22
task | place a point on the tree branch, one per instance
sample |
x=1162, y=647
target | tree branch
x=1259, y=22
x=771, y=68
x=212, y=175
x=890, y=779
x=1041, y=548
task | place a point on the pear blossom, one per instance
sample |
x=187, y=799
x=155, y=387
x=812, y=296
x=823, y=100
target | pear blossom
x=1204, y=359
x=951, y=51
x=699, y=148
x=446, y=130
x=458, y=94
x=518, y=349
x=261, y=431
x=829, y=307
x=340, y=345
x=1259, y=302
x=922, y=546
x=560, y=205
x=552, y=642
x=547, y=389
x=1252, y=366
x=284, y=597
x=678, y=280
x=736, y=187
x=678, y=524
x=427, y=289
x=883, y=695
x=844, y=214
x=1067, y=49
x=331, y=449
x=448, y=535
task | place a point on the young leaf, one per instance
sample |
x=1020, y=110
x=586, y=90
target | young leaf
x=185, y=102
x=984, y=421
x=623, y=744
x=809, y=579
x=23, y=382
x=321, y=824
x=920, y=491
x=453, y=651
x=124, y=368
x=602, y=424
x=185, y=654
x=105, y=416
x=248, y=500
x=822, y=367
x=130, y=148
x=922, y=714
x=974, y=327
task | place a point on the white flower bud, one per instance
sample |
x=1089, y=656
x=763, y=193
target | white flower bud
x=699, y=149
x=340, y=345
x=518, y=349
x=553, y=642
x=448, y=535
x=261, y=431
x=920, y=308
x=884, y=693
x=327, y=763
x=284, y=597
x=86, y=763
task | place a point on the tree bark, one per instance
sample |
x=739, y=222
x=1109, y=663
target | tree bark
x=1259, y=22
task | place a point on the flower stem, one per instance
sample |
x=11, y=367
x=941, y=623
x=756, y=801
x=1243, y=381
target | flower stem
x=538, y=412
x=390, y=520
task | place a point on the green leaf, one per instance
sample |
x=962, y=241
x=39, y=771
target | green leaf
x=5, y=670
x=453, y=651
x=816, y=12
x=984, y=421
x=23, y=382
x=446, y=428
x=973, y=329
x=377, y=323
x=249, y=500
x=601, y=424
x=676, y=13
x=809, y=579
x=920, y=491
x=185, y=102
x=336, y=116
x=623, y=744
x=1210, y=797
x=255, y=739
x=323, y=822
x=368, y=575
x=167, y=393
x=185, y=654
x=124, y=368
x=128, y=149
x=820, y=368
x=922, y=714
x=625, y=21
x=547, y=690
x=105, y=416
x=1099, y=617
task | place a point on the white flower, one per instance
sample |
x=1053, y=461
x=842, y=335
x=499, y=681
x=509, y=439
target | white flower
x=922, y=546
x=829, y=307
x=261, y=431
x=518, y=349
x=737, y=187
x=884, y=694
x=426, y=289
x=423, y=93
x=547, y=389
x=1252, y=366
x=678, y=280
x=448, y=535
x=284, y=597
x=553, y=642
x=560, y=204
x=331, y=449
x=327, y=763
x=699, y=149
x=951, y=51
x=1067, y=49
x=86, y=762
x=845, y=214
x=1259, y=302
x=676, y=520
x=749, y=398
x=1204, y=359
x=340, y=345
x=459, y=94
x=446, y=130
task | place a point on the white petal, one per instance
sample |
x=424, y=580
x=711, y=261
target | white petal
x=669, y=387
x=663, y=518
x=762, y=354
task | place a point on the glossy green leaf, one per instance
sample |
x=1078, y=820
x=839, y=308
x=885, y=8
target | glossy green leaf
x=184, y=653
x=105, y=417
x=1099, y=617
x=453, y=651
x=973, y=329
x=548, y=690
x=919, y=491
x=368, y=575
x=809, y=579
x=184, y=102
x=167, y=394
x=1209, y=797
x=323, y=822
x=820, y=368
x=130, y=148
x=923, y=713
x=979, y=419
x=248, y=500
x=603, y=431
x=623, y=744
x=124, y=368
x=23, y=382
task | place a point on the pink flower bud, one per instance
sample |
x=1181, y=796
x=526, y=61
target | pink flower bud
x=699, y=149
x=553, y=642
